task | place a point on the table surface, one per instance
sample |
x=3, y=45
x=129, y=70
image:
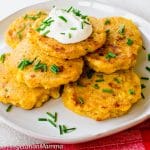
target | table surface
x=9, y=136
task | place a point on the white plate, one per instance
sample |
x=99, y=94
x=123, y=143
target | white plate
x=87, y=129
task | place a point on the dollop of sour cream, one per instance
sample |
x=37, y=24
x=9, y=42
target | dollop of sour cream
x=66, y=26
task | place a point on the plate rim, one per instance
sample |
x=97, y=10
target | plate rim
x=86, y=138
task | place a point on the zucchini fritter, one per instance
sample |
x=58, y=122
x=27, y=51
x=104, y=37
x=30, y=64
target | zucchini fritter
x=42, y=70
x=18, y=94
x=18, y=29
x=100, y=96
x=121, y=47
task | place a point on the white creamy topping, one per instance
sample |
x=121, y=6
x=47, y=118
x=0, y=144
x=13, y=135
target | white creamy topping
x=66, y=26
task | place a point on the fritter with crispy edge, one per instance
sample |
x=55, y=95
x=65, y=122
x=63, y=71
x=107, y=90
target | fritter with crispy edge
x=121, y=47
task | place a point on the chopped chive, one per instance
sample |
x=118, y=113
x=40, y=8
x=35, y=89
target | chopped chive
x=149, y=57
x=143, y=86
x=142, y=95
x=9, y=108
x=60, y=130
x=132, y=92
x=100, y=75
x=86, y=22
x=70, y=130
x=96, y=86
x=35, y=17
x=62, y=18
x=19, y=33
x=147, y=68
x=107, y=31
x=42, y=119
x=46, y=32
x=107, y=90
x=110, y=55
x=69, y=9
x=56, y=116
x=107, y=21
x=121, y=29
x=99, y=80
x=129, y=41
x=144, y=78
x=51, y=122
x=73, y=28
x=62, y=33
x=82, y=25
x=117, y=80
x=70, y=35
x=40, y=66
x=24, y=63
x=51, y=115
x=2, y=58
x=55, y=69
x=64, y=129
x=80, y=100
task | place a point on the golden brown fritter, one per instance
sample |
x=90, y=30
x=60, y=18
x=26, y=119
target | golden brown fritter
x=42, y=71
x=100, y=96
x=18, y=28
x=18, y=94
x=121, y=47
x=54, y=48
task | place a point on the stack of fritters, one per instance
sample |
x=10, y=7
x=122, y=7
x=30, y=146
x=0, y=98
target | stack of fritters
x=39, y=65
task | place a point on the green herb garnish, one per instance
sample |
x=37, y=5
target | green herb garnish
x=24, y=63
x=110, y=55
x=142, y=95
x=19, y=33
x=55, y=69
x=132, y=92
x=107, y=31
x=53, y=116
x=80, y=100
x=9, y=108
x=2, y=58
x=40, y=66
x=60, y=130
x=129, y=41
x=46, y=32
x=147, y=68
x=69, y=9
x=121, y=29
x=82, y=25
x=62, y=18
x=45, y=24
x=63, y=129
x=148, y=57
x=96, y=86
x=144, y=78
x=35, y=17
x=73, y=28
x=70, y=35
x=107, y=90
x=117, y=80
x=107, y=21
x=143, y=86
x=42, y=119
x=99, y=80
x=62, y=33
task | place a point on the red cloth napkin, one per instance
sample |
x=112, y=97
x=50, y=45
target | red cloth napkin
x=136, y=138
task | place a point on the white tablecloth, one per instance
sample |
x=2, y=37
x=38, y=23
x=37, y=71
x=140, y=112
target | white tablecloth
x=9, y=136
